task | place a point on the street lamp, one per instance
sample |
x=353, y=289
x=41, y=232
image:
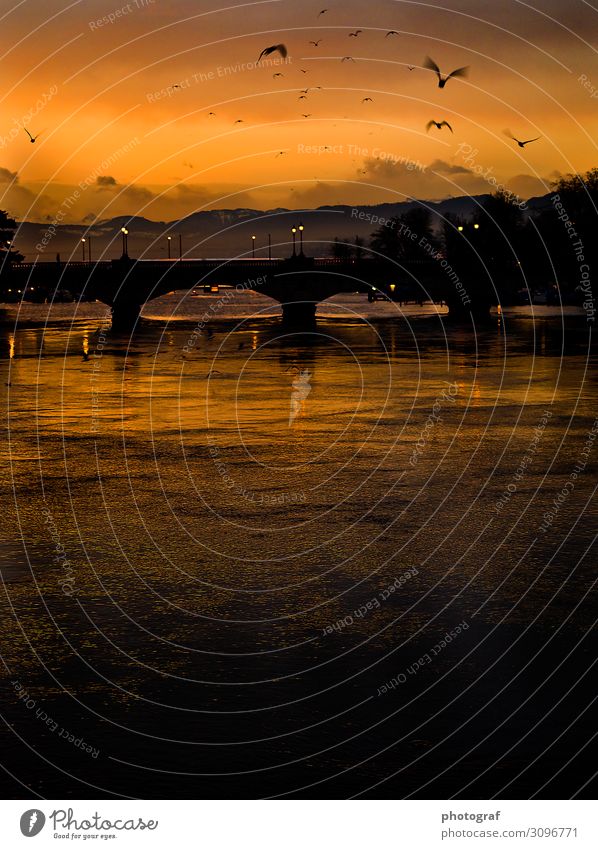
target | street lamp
x=476, y=226
x=83, y=248
x=253, y=247
x=301, y=228
x=125, y=233
x=294, y=232
x=169, y=241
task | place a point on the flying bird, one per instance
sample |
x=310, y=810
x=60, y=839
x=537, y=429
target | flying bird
x=303, y=97
x=431, y=65
x=303, y=90
x=303, y=71
x=438, y=124
x=356, y=33
x=323, y=12
x=211, y=114
x=280, y=48
x=308, y=115
x=347, y=59
x=277, y=75
x=239, y=121
x=316, y=43
x=411, y=67
x=510, y=135
x=33, y=138
x=391, y=32
x=367, y=100
x=281, y=153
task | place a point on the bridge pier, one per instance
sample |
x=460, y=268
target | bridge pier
x=299, y=314
x=125, y=315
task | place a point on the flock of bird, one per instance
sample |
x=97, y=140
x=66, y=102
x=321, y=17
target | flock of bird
x=428, y=64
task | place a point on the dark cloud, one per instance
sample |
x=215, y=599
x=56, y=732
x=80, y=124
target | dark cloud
x=446, y=168
x=7, y=176
x=102, y=182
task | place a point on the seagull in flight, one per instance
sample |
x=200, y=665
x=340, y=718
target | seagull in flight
x=323, y=12
x=303, y=71
x=239, y=121
x=347, y=59
x=281, y=153
x=438, y=124
x=316, y=43
x=274, y=76
x=33, y=138
x=280, y=48
x=431, y=65
x=211, y=114
x=391, y=32
x=367, y=100
x=510, y=135
x=356, y=33
x=308, y=115
x=411, y=67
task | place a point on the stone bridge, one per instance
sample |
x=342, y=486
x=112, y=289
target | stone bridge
x=299, y=283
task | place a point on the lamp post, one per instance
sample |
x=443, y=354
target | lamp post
x=169, y=241
x=253, y=247
x=294, y=232
x=125, y=233
x=83, y=248
x=301, y=228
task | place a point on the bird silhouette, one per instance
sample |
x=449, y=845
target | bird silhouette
x=308, y=115
x=367, y=100
x=281, y=48
x=303, y=90
x=438, y=124
x=316, y=43
x=303, y=97
x=303, y=71
x=323, y=12
x=356, y=33
x=280, y=153
x=347, y=59
x=33, y=138
x=431, y=65
x=211, y=114
x=391, y=32
x=510, y=135
x=239, y=121
x=411, y=67
x=274, y=76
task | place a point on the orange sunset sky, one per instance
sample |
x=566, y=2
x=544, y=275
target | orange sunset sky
x=93, y=78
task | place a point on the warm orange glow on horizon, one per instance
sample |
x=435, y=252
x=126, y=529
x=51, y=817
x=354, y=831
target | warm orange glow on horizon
x=122, y=98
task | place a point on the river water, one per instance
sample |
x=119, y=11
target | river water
x=249, y=561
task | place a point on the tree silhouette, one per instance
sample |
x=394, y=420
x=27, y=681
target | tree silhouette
x=7, y=230
x=405, y=236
